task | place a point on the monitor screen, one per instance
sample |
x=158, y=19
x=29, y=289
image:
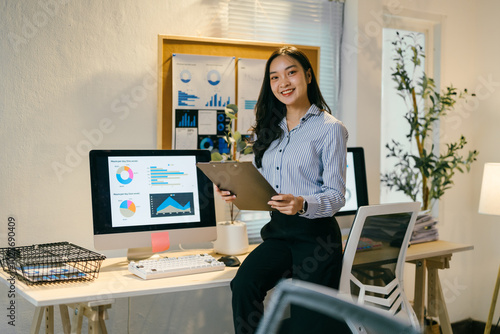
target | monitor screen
x=137, y=193
x=356, y=186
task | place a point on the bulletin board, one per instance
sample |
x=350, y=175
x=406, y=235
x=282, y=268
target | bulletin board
x=168, y=45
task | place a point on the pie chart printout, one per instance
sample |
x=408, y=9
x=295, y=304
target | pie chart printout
x=127, y=208
x=125, y=175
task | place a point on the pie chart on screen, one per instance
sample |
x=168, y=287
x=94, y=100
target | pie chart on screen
x=127, y=208
x=124, y=175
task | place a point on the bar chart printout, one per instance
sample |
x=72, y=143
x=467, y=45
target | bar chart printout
x=186, y=99
x=200, y=84
x=250, y=77
x=216, y=101
x=187, y=121
x=200, y=81
x=163, y=177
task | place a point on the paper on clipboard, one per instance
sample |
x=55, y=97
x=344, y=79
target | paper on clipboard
x=244, y=180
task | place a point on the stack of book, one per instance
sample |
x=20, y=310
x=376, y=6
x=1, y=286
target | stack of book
x=425, y=229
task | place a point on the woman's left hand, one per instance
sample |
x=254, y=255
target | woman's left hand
x=286, y=203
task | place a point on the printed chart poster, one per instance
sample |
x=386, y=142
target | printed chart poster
x=250, y=77
x=202, y=86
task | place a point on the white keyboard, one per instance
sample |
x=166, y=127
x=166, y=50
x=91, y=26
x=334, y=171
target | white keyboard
x=175, y=266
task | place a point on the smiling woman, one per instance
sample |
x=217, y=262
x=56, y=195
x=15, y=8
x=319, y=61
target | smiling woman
x=289, y=84
x=286, y=69
x=301, y=151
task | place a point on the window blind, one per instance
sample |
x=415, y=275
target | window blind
x=293, y=22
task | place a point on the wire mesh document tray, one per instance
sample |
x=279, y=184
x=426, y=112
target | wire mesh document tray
x=51, y=263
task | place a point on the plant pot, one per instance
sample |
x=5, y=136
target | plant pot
x=232, y=238
x=431, y=327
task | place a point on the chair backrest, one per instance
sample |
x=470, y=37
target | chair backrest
x=374, y=257
x=327, y=301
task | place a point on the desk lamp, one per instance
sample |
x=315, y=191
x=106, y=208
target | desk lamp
x=489, y=203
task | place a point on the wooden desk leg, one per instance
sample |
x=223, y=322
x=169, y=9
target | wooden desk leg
x=436, y=302
x=49, y=320
x=444, y=318
x=76, y=323
x=66, y=324
x=96, y=316
x=432, y=293
x=48, y=311
x=96, y=313
x=103, y=315
x=37, y=320
x=92, y=314
x=419, y=299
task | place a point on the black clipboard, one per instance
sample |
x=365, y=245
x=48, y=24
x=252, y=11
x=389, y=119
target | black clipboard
x=242, y=179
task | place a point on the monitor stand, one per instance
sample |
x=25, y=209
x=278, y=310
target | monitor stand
x=140, y=253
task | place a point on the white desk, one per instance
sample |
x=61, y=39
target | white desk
x=114, y=281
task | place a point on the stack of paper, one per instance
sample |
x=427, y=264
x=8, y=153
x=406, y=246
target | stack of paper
x=425, y=229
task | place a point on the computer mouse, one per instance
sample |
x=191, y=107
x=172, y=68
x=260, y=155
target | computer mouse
x=230, y=261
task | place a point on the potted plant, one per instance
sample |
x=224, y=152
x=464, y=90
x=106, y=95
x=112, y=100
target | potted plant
x=237, y=144
x=232, y=237
x=424, y=174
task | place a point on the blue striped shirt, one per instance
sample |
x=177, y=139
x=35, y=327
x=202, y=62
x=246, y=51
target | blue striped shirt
x=310, y=161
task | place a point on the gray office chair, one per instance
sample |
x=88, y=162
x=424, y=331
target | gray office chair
x=374, y=277
x=327, y=301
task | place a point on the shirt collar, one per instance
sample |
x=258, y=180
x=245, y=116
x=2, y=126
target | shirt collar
x=312, y=111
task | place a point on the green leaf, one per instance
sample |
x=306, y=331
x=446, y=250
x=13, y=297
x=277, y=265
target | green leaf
x=236, y=135
x=248, y=150
x=231, y=110
x=216, y=156
x=241, y=145
x=230, y=115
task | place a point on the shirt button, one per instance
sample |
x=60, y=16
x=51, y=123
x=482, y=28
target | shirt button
x=281, y=150
x=277, y=187
x=277, y=168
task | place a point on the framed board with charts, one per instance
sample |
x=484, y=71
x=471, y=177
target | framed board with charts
x=191, y=120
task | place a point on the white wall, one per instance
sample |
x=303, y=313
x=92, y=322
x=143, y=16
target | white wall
x=77, y=75
x=67, y=66
x=469, y=60
x=483, y=125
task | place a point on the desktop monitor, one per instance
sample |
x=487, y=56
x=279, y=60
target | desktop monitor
x=136, y=194
x=356, y=186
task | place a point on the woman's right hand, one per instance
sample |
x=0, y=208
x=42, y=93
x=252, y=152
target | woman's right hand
x=225, y=194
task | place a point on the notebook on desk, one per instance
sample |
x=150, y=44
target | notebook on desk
x=50, y=273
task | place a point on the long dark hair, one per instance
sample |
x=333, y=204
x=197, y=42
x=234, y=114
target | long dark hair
x=270, y=111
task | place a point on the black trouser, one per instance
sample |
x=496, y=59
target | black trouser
x=305, y=249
